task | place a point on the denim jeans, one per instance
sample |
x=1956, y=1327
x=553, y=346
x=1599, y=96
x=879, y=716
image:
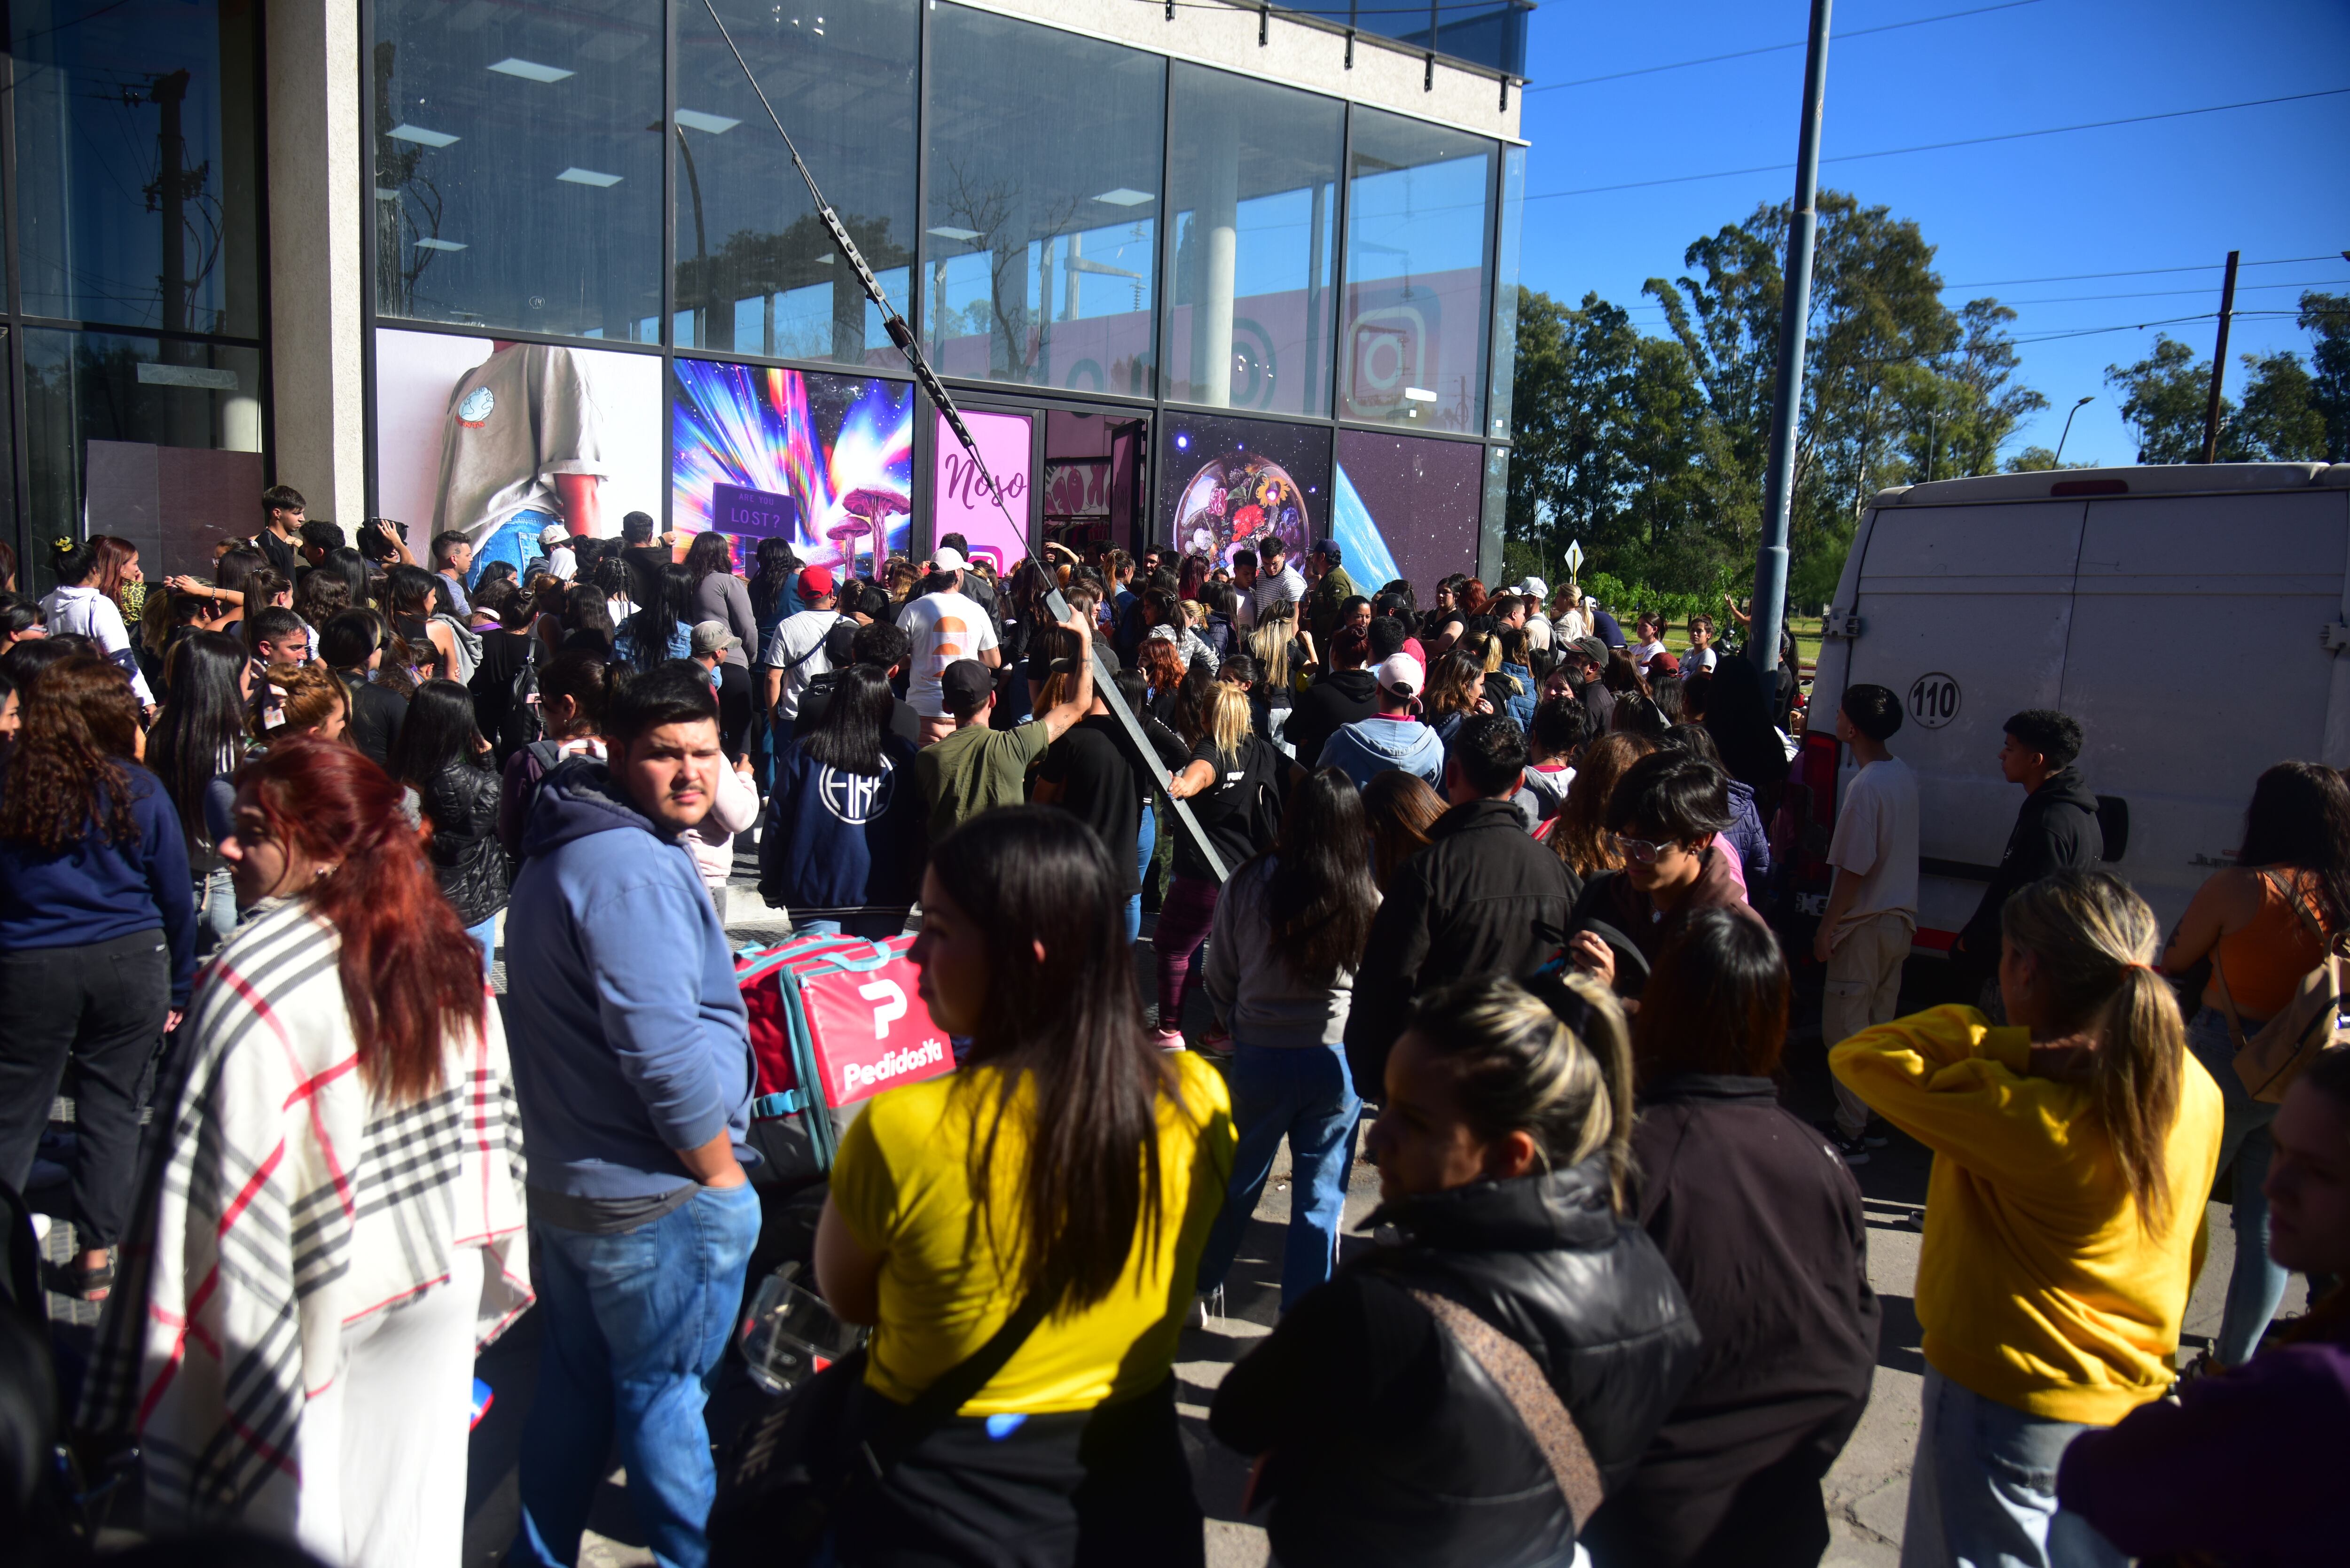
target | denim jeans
x=216, y=910
x=1306, y=1093
x=1146, y=845
x=872, y=927
x=635, y=1325
x=514, y=541
x=485, y=936
x=1983, y=1493
x=2255, y=1282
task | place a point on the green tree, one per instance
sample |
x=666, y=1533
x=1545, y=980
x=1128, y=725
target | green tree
x=2326, y=319
x=2165, y=395
x=2037, y=460
x=2285, y=416
x=1895, y=381
x=2280, y=421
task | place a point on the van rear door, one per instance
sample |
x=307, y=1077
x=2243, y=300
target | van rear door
x=2197, y=659
x=1967, y=613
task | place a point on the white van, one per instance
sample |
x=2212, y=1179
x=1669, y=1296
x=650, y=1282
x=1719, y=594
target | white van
x=2192, y=619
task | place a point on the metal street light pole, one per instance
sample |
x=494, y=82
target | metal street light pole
x=2076, y=408
x=1795, y=314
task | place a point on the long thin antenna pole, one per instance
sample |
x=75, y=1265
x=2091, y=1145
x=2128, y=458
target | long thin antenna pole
x=902, y=335
x=1795, y=314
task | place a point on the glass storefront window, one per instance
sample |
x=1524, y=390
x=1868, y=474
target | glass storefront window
x=1225, y=482
x=518, y=165
x=1504, y=354
x=1418, y=223
x=1406, y=507
x=755, y=272
x=1254, y=190
x=1040, y=241
x=154, y=440
x=136, y=181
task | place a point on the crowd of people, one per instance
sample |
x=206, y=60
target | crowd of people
x=1478, y=889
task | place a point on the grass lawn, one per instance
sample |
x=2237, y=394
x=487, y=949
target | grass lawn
x=1806, y=629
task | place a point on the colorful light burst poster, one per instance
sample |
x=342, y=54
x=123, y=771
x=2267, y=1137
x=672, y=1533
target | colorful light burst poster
x=827, y=461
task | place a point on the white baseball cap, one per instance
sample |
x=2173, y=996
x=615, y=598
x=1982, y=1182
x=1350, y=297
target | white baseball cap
x=1536, y=586
x=1400, y=673
x=554, y=533
x=947, y=558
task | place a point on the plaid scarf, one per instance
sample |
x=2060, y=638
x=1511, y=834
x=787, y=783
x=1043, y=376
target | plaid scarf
x=284, y=1205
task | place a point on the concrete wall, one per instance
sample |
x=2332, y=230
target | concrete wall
x=1292, y=53
x=316, y=210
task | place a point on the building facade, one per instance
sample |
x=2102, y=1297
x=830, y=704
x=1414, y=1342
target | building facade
x=1192, y=270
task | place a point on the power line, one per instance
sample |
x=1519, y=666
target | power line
x=2139, y=325
x=2137, y=272
x=2170, y=293
x=1940, y=146
x=1775, y=48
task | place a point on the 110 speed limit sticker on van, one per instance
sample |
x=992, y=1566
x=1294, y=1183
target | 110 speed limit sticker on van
x=1933, y=700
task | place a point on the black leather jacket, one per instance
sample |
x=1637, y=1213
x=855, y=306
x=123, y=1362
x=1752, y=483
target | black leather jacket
x=1389, y=1444
x=462, y=803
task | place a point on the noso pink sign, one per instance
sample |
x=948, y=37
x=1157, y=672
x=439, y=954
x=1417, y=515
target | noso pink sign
x=963, y=504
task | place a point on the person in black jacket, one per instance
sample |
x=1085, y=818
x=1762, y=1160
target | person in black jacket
x=1398, y=1407
x=2057, y=831
x=352, y=645
x=443, y=758
x=1763, y=1226
x=1340, y=696
x=1483, y=898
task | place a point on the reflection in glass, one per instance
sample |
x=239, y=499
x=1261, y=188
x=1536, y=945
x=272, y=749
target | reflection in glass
x=136, y=183
x=1505, y=292
x=155, y=440
x=1254, y=190
x=1042, y=231
x=755, y=272
x=1489, y=33
x=1412, y=348
x=517, y=164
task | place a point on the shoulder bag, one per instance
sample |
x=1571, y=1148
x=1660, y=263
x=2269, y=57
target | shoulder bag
x=798, y=1468
x=2309, y=1024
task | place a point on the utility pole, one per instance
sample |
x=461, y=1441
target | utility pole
x=1794, y=315
x=2220, y=363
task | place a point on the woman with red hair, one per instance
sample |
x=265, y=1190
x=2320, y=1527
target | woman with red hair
x=332, y=1224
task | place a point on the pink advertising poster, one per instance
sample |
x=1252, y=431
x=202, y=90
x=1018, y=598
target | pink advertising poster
x=963, y=505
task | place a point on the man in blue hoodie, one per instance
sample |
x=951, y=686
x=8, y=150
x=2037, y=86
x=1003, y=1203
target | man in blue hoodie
x=632, y=1065
x=1391, y=737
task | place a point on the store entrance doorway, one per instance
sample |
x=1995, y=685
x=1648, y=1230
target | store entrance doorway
x=1074, y=477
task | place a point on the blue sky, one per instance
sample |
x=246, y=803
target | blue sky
x=2269, y=181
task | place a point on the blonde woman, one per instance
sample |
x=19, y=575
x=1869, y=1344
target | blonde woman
x=1282, y=653
x=1388, y=1437
x=2072, y=1152
x=1230, y=767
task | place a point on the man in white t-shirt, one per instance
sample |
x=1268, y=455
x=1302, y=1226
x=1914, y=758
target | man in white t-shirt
x=796, y=653
x=1277, y=580
x=944, y=624
x=1872, y=911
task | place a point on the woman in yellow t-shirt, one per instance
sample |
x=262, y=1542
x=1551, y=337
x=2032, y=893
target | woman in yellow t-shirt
x=2072, y=1156
x=1068, y=1162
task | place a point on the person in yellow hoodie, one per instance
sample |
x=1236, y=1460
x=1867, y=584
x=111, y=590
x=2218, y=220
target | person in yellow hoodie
x=2072, y=1152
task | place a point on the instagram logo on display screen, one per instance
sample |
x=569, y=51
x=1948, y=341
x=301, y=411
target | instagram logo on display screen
x=1387, y=370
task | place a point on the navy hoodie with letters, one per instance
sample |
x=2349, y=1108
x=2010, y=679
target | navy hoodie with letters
x=628, y=1037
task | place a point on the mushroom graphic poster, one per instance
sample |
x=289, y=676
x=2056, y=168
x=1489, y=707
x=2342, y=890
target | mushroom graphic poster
x=826, y=462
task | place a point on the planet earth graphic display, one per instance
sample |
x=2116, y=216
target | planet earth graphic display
x=1234, y=500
